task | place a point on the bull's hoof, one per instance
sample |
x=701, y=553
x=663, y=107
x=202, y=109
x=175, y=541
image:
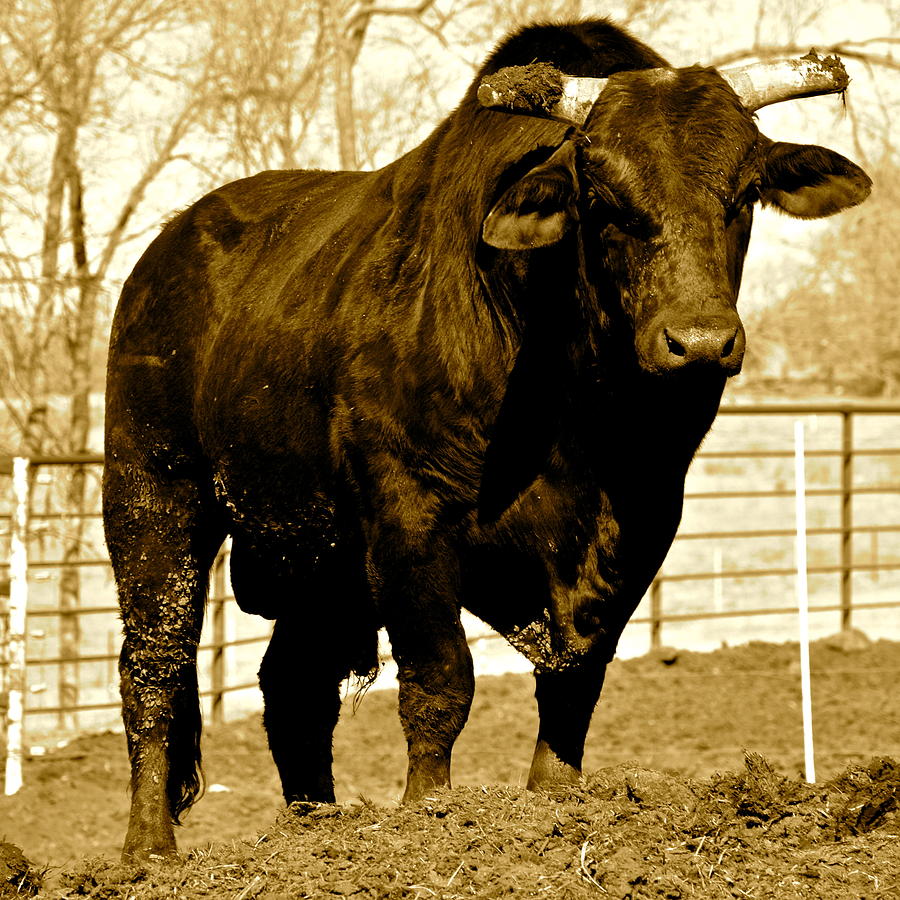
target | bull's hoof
x=426, y=774
x=549, y=771
x=138, y=857
x=142, y=850
x=542, y=781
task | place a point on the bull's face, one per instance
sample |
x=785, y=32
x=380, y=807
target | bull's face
x=660, y=182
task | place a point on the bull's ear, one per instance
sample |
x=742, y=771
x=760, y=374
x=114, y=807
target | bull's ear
x=539, y=208
x=810, y=182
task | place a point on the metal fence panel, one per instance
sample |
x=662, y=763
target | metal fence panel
x=732, y=561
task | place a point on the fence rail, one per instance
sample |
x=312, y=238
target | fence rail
x=846, y=490
x=29, y=524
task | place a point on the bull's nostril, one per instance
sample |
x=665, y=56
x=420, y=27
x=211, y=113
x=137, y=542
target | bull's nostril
x=729, y=347
x=675, y=348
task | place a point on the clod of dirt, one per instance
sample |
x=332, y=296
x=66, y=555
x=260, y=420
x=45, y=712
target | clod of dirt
x=99, y=879
x=759, y=794
x=532, y=88
x=621, y=871
x=848, y=641
x=640, y=786
x=865, y=797
x=17, y=877
x=668, y=656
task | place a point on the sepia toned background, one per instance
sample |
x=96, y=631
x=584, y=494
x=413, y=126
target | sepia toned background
x=116, y=113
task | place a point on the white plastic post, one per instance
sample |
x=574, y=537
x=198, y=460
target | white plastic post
x=18, y=603
x=718, y=586
x=803, y=598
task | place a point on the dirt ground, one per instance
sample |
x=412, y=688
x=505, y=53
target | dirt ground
x=654, y=818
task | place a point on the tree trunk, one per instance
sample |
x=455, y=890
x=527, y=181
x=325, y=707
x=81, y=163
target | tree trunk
x=344, y=115
x=34, y=439
x=80, y=345
x=344, y=48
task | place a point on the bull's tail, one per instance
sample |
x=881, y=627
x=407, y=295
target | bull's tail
x=185, y=784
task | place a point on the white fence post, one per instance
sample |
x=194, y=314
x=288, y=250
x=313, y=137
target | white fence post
x=18, y=602
x=803, y=598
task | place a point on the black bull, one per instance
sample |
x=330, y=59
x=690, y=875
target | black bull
x=474, y=378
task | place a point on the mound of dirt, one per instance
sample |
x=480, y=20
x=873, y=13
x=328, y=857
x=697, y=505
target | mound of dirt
x=627, y=832
x=17, y=876
x=683, y=713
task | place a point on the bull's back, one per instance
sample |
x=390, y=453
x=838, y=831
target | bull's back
x=204, y=298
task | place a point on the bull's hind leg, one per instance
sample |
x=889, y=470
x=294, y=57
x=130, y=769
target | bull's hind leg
x=162, y=539
x=325, y=631
x=300, y=685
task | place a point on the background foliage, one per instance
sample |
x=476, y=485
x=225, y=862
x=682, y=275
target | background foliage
x=114, y=113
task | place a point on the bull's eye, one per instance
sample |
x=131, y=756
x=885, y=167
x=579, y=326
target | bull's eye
x=611, y=209
x=599, y=194
x=634, y=224
x=744, y=202
x=743, y=199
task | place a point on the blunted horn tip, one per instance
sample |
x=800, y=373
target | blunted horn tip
x=764, y=83
x=539, y=89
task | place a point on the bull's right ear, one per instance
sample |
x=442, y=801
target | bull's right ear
x=539, y=208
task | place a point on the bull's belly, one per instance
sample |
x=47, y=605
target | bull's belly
x=292, y=543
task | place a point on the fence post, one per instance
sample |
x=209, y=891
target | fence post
x=217, y=672
x=18, y=603
x=656, y=614
x=846, y=518
x=68, y=677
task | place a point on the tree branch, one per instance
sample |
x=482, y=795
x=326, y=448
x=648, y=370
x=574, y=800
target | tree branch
x=163, y=157
x=363, y=16
x=842, y=48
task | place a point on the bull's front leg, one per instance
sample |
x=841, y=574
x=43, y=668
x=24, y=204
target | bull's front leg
x=416, y=592
x=566, y=702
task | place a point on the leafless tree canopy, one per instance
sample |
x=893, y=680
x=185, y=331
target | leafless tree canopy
x=115, y=113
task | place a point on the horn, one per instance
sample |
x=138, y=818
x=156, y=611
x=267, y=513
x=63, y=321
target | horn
x=763, y=83
x=540, y=89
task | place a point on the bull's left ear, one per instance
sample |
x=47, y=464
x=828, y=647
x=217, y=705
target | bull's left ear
x=810, y=182
x=539, y=208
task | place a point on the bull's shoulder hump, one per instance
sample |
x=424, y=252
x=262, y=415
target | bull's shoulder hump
x=268, y=193
x=271, y=202
x=251, y=216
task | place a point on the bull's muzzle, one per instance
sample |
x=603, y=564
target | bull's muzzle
x=717, y=343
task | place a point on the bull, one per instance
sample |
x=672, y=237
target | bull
x=474, y=378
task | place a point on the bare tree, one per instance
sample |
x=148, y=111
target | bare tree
x=346, y=26
x=266, y=78
x=77, y=58
x=838, y=329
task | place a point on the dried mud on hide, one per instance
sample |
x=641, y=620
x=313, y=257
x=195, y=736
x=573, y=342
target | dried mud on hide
x=627, y=832
x=535, y=641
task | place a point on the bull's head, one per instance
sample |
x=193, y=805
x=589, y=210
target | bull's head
x=661, y=171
